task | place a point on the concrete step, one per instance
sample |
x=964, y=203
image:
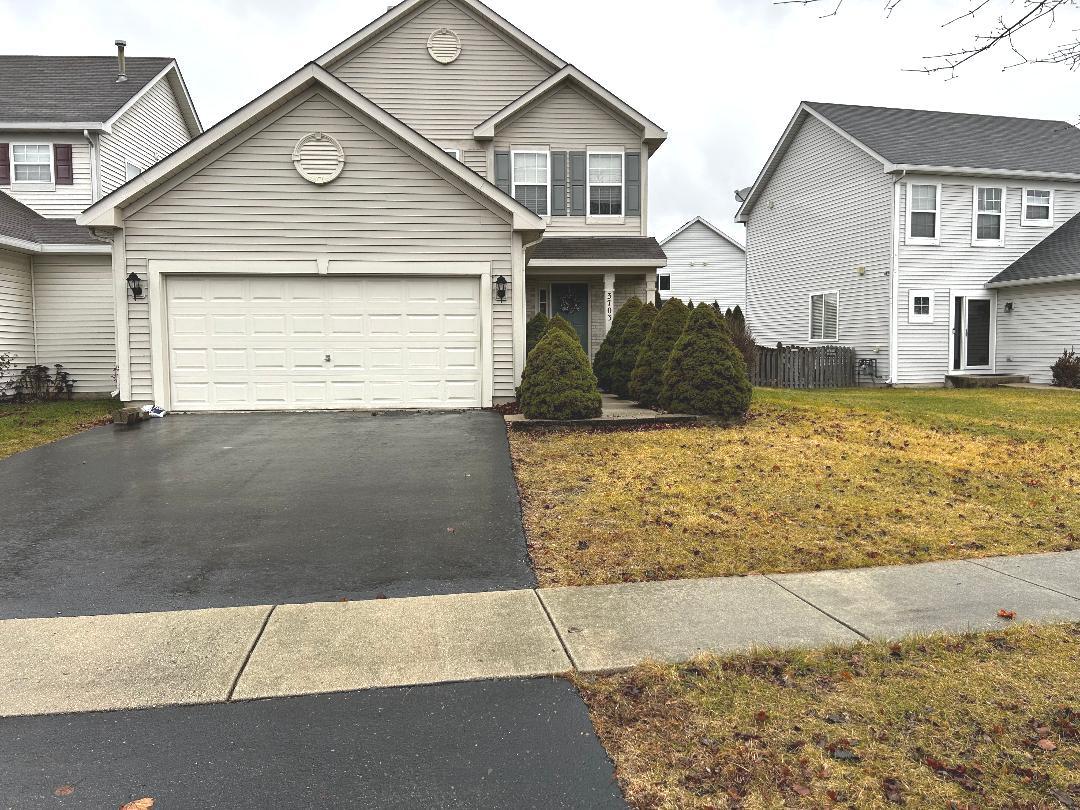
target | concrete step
x=983, y=380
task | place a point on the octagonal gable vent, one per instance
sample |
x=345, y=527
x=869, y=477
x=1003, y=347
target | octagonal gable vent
x=318, y=158
x=444, y=45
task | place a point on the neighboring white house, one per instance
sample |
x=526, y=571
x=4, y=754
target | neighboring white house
x=704, y=265
x=375, y=230
x=72, y=129
x=933, y=243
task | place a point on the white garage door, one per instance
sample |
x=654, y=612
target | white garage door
x=287, y=342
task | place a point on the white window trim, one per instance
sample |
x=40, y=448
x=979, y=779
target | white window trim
x=975, y=241
x=589, y=216
x=810, y=322
x=1035, y=223
x=33, y=185
x=138, y=166
x=454, y=153
x=513, y=183
x=919, y=318
x=924, y=240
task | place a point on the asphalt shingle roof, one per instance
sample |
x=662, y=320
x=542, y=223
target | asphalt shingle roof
x=19, y=222
x=927, y=138
x=599, y=247
x=66, y=89
x=1056, y=255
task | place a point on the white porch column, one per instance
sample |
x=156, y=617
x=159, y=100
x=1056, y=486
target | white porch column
x=650, y=287
x=609, y=301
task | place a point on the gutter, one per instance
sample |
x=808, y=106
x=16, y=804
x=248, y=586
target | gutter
x=894, y=282
x=39, y=247
x=95, y=170
x=1024, y=282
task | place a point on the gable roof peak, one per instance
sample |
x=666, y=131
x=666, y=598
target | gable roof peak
x=700, y=220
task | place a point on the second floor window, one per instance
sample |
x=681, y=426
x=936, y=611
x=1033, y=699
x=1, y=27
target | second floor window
x=1038, y=207
x=989, y=205
x=531, y=178
x=605, y=184
x=923, y=213
x=31, y=163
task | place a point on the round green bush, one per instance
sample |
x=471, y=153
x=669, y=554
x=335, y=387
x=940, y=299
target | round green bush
x=606, y=353
x=534, y=330
x=706, y=374
x=626, y=353
x=557, y=382
x=559, y=322
x=648, y=376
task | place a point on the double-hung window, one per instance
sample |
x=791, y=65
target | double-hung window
x=1038, y=209
x=825, y=316
x=31, y=163
x=988, y=224
x=924, y=209
x=605, y=184
x=531, y=180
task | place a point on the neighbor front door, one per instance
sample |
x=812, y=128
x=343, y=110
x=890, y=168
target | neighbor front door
x=972, y=330
x=572, y=302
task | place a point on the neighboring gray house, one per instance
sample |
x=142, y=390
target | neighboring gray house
x=375, y=230
x=933, y=243
x=71, y=131
x=704, y=265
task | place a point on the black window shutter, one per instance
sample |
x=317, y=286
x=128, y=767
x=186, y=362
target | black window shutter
x=63, y=170
x=5, y=165
x=558, y=184
x=577, y=184
x=633, y=184
x=502, y=171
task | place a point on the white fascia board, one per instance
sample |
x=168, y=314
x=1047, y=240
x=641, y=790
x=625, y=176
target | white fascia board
x=711, y=227
x=970, y=171
x=39, y=247
x=652, y=133
x=596, y=263
x=398, y=13
x=1025, y=282
x=54, y=126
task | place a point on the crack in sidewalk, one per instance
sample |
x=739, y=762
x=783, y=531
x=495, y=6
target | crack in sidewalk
x=555, y=627
x=854, y=630
x=250, y=652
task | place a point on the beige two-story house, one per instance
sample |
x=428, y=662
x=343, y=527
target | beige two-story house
x=73, y=129
x=375, y=230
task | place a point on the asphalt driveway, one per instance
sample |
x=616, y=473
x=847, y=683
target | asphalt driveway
x=221, y=510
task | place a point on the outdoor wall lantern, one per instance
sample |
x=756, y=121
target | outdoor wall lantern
x=135, y=285
x=1009, y=307
x=500, y=288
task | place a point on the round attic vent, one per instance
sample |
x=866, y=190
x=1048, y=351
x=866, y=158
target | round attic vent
x=444, y=45
x=318, y=158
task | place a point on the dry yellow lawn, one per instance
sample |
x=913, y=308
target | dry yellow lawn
x=964, y=722
x=814, y=480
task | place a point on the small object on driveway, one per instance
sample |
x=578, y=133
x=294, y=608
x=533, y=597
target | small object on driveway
x=1006, y=614
x=154, y=410
x=129, y=416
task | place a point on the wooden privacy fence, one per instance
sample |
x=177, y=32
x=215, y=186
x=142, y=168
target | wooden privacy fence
x=805, y=367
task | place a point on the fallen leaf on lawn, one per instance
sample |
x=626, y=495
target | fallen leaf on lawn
x=894, y=791
x=761, y=717
x=802, y=790
x=451, y=529
x=1047, y=745
x=1006, y=614
x=138, y=804
x=63, y=790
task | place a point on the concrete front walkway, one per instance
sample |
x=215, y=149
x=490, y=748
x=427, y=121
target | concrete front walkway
x=126, y=661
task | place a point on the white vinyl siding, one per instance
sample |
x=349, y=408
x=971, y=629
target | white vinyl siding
x=1045, y=320
x=442, y=102
x=704, y=266
x=75, y=317
x=823, y=223
x=250, y=204
x=16, y=309
x=150, y=130
x=50, y=200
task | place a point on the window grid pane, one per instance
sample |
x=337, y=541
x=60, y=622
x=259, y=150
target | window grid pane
x=990, y=200
x=32, y=162
x=605, y=169
x=605, y=200
x=922, y=305
x=817, y=303
x=988, y=227
x=924, y=198
x=530, y=168
x=831, y=317
x=923, y=225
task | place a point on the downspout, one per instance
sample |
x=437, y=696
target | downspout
x=894, y=282
x=95, y=180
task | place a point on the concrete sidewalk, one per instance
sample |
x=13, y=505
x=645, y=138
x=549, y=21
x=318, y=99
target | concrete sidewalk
x=127, y=661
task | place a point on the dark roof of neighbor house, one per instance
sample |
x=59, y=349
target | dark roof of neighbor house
x=19, y=222
x=1056, y=255
x=599, y=247
x=65, y=89
x=959, y=140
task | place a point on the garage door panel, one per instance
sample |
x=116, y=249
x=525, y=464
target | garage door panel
x=257, y=342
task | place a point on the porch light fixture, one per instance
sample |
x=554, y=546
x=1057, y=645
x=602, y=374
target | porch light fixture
x=135, y=286
x=500, y=288
x=1009, y=306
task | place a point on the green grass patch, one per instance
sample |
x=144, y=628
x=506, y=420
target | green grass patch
x=25, y=426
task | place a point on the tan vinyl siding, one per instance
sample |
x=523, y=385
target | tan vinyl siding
x=442, y=101
x=825, y=213
x=626, y=286
x=147, y=132
x=924, y=349
x=723, y=279
x=73, y=301
x=249, y=203
x=16, y=309
x=568, y=121
x=59, y=202
x=1044, y=322
x=476, y=160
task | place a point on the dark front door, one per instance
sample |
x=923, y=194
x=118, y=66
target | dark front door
x=572, y=302
x=978, y=332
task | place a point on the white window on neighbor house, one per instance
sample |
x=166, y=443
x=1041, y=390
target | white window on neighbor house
x=924, y=212
x=531, y=180
x=31, y=163
x=825, y=316
x=544, y=300
x=663, y=282
x=454, y=153
x=921, y=306
x=605, y=184
x=1038, y=208
x=131, y=170
x=988, y=216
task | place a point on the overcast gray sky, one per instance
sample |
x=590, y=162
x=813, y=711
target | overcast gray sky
x=722, y=76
